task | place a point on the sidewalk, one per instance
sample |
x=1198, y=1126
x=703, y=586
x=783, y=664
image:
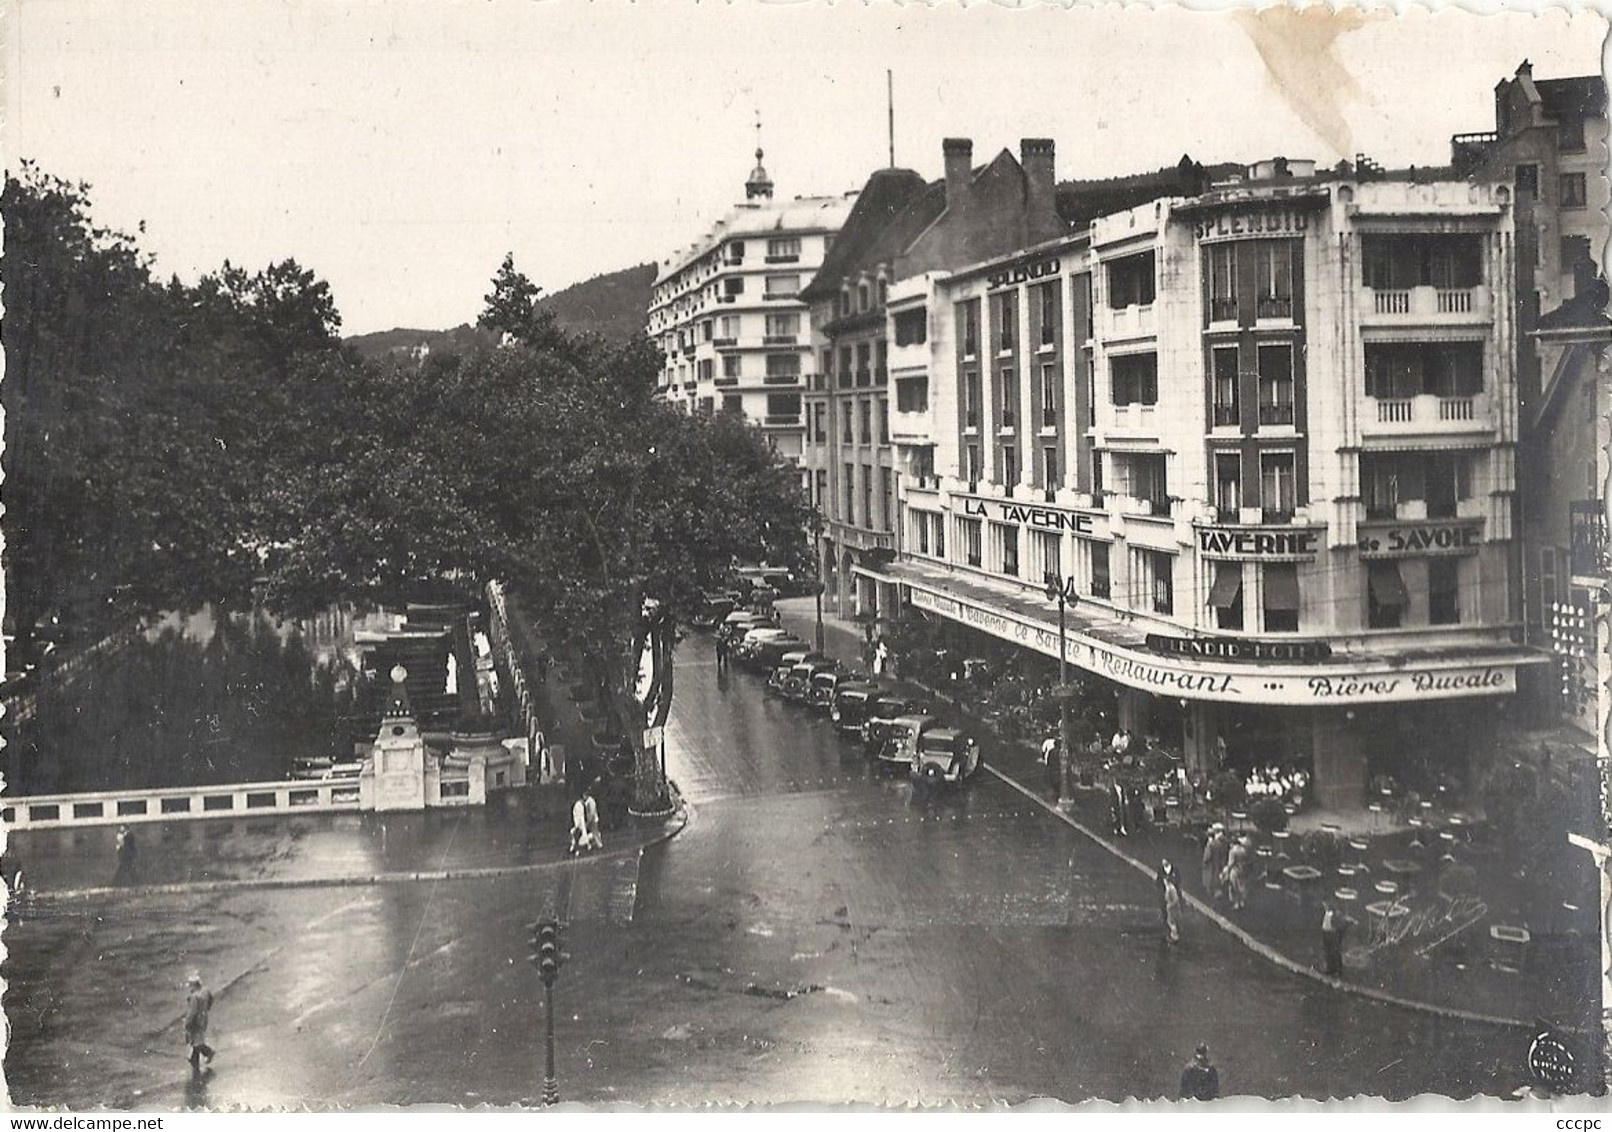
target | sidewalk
x=1436, y=954
x=517, y=830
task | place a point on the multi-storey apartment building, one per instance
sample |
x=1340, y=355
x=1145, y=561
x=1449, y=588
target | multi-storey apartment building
x=1269, y=431
x=727, y=312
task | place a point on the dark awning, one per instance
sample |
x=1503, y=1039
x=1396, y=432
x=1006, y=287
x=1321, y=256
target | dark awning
x=1228, y=585
x=1387, y=588
x=1282, y=588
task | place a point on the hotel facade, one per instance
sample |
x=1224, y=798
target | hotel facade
x=1268, y=431
x=727, y=314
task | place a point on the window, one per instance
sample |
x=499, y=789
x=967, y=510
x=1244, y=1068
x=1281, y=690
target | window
x=820, y=422
x=822, y=489
x=732, y=365
x=783, y=286
x=1144, y=476
x=971, y=465
x=783, y=408
x=1153, y=585
x=1224, y=361
x=1276, y=385
x=1398, y=370
x=733, y=285
x=850, y=494
x=1405, y=260
x=881, y=354
x=783, y=249
x=1443, y=591
x=912, y=328
x=846, y=368
x=968, y=314
x=1097, y=478
x=1273, y=268
x=864, y=359
x=1005, y=543
x=883, y=409
x=736, y=252
x=1135, y=379
x=1130, y=281
x=887, y=499
x=1048, y=293
x=732, y=403
x=783, y=326
x=1228, y=486
x=1226, y=595
x=708, y=330
x=1386, y=599
x=1277, y=495
x=1046, y=555
x=1570, y=136
x=1049, y=395
x=920, y=530
x=1010, y=465
x=786, y=366
x=867, y=420
x=912, y=394
x=1572, y=190
x=940, y=536
x=1448, y=480
x=1281, y=597
x=1049, y=467
x=707, y=369
x=1528, y=179
x=1006, y=318
x=867, y=495
x=1100, y=582
x=707, y=406
x=847, y=415
x=969, y=532
x=1222, y=270
x=863, y=297
x=971, y=399
x=1009, y=385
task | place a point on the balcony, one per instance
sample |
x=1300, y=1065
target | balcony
x=781, y=297
x=1459, y=305
x=1130, y=322
x=1226, y=416
x=780, y=420
x=1278, y=414
x=724, y=343
x=780, y=340
x=783, y=259
x=1100, y=588
x=781, y=379
x=1433, y=414
x=1223, y=309
x=1274, y=307
x=1135, y=417
x=722, y=382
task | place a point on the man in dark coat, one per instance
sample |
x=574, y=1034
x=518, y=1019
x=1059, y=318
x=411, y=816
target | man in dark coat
x=198, y=1009
x=1334, y=926
x=1200, y=1080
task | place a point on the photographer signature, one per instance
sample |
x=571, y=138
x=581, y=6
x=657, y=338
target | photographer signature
x=1401, y=924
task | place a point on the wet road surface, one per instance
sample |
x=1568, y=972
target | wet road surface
x=820, y=931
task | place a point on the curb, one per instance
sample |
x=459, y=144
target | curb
x=488, y=872
x=1259, y=947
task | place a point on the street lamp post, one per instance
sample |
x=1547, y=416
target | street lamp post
x=1062, y=590
x=817, y=552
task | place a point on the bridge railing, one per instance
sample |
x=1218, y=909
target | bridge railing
x=181, y=803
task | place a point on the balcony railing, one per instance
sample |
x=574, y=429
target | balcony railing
x=974, y=558
x=1007, y=420
x=1271, y=514
x=1274, y=306
x=1455, y=301
x=1223, y=310
x=1049, y=417
x=1393, y=302
x=783, y=418
x=1394, y=410
x=783, y=259
x=725, y=380
x=781, y=296
x=1276, y=414
x=780, y=339
x=721, y=343
x=864, y=377
x=780, y=379
x=1226, y=415
x=1100, y=587
x=971, y=419
x=1455, y=408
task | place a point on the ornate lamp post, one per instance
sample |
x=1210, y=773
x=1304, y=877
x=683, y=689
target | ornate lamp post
x=1062, y=590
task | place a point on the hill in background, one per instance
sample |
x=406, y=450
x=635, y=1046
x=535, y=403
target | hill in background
x=614, y=305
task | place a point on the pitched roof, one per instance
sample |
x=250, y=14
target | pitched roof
x=1081, y=202
x=868, y=229
x=1570, y=99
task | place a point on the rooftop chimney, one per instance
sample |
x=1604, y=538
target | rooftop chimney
x=959, y=168
x=1040, y=189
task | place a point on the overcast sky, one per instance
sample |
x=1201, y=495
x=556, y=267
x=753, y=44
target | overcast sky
x=399, y=149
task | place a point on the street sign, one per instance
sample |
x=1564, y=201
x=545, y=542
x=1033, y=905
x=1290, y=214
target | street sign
x=653, y=737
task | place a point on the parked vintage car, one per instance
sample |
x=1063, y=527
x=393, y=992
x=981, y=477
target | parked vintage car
x=710, y=615
x=881, y=712
x=944, y=754
x=769, y=654
x=798, y=685
x=740, y=621
x=780, y=671
x=744, y=648
x=901, y=739
x=820, y=697
x=850, y=706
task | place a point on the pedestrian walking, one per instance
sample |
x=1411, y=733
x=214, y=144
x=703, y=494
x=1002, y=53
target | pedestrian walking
x=1169, y=882
x=1049, y=748
x=126, y=853
x=1200, y=1080
x=721, y=654
x=1334, y=926
x=1238, y=861
x=881, y=657
x=590, y=820
x=1215, y=851
x=198, y=1011
x=579, y=827
x=1119, y=808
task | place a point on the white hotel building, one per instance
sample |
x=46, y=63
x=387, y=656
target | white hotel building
x=1269, y=431
x=726, y=312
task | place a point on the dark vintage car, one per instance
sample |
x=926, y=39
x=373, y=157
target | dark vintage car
x=901, y=739
x=850, y=706
x=944, y=754
x=736, y=624
x=780, y=671
x=880, y=712
x=712, y=612
x=820, y=697
x=768, y=655
x=798, y=685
